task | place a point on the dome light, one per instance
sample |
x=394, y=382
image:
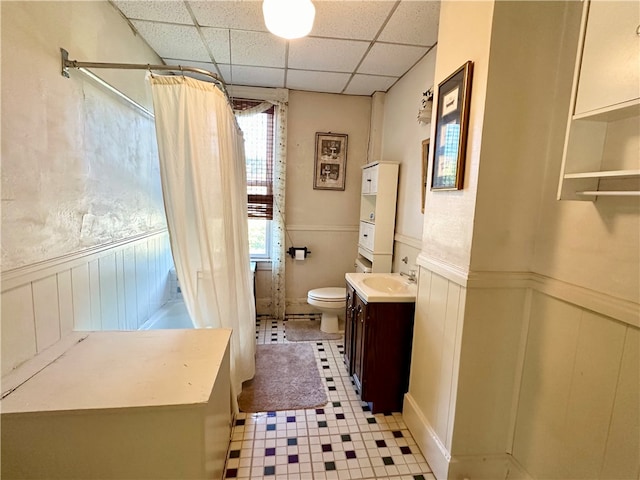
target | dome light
x=289, y=18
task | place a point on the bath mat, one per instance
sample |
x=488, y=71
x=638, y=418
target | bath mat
x=306, y=330
x=287, y=378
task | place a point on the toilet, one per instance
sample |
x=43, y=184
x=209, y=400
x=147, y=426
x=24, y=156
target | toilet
x=331, y=301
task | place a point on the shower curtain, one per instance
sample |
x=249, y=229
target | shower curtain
x=203, y=173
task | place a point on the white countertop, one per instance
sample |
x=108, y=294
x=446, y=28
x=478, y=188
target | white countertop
x=108, y=370
x=399, y=290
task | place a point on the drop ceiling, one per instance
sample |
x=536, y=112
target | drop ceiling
x=356, y=47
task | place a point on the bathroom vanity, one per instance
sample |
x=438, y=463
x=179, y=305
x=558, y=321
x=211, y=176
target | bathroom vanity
x=378, y=337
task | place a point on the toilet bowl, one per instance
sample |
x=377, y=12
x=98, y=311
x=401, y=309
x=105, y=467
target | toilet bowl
x=331, y=301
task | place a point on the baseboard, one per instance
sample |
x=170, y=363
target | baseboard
x=486, y=467
x=299, y=305
x=293, y=305
x=263, y=306
x=430, y=445
x=458, y=467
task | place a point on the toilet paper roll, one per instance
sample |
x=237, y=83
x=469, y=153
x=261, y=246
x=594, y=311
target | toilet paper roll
x=300, y=253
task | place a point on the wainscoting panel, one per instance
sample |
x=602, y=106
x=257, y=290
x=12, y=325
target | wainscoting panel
x=525, y=377
x=81, y=298
x=18, y=327
x=112, y=287
x=46, y=312
x=108, y=292
x=65, y=302
x=576, y=373
x=434, y=365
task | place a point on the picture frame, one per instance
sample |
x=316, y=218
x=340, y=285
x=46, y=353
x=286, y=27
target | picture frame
x=425, y=168
x=451, y=129
x=330, y=161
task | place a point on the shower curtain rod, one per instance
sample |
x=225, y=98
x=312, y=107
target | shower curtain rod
x=67, y=64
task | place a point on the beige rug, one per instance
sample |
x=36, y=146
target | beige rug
x=286, y=378
x=306, y=330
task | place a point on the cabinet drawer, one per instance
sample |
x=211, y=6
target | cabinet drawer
x=367, y=232
x=370, y=180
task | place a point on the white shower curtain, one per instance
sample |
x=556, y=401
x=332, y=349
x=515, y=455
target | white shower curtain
x=203, y=174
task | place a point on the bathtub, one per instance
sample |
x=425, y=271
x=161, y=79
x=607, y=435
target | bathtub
x=172, y=314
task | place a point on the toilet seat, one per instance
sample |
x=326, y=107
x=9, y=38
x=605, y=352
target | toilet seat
x=328, y=297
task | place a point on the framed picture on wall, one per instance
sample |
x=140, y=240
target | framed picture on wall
x=425, y=168
x=452, y=123
x=330, y=161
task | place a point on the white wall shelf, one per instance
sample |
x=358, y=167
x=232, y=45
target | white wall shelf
x=378, y=214
x=601, y=154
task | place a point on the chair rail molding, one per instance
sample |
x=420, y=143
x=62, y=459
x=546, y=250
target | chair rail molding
x=617, y=308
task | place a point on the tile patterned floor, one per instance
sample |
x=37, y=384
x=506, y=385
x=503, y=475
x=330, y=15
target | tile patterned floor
x=342, y=440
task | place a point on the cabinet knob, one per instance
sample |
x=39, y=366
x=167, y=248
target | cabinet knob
x=638, y=30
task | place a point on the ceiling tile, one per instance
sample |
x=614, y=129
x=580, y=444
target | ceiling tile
x=403, y=27
x=353, y=19
x=257, y=49
x=258, y=76
x=324, y=54
x=368, y=84
x=159, y=11
x=387, y=59
x=316, y=81
x=217, y=39
x=240, y=15
x=225, y=71
x=173, y=41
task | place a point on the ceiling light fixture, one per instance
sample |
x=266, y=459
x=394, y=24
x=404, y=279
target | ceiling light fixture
x=289, y=18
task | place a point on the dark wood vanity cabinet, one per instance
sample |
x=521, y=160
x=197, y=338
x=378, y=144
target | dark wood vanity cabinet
x=377, y=353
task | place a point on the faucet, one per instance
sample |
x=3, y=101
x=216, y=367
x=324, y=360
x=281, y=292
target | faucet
x=411, y=275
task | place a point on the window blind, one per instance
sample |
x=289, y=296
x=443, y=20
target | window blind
x=258, y=130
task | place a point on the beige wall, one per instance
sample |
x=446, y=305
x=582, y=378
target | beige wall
x=448, y=228
x=402, y=138
x=402, y=142
x=324, y=221
x=79, y=168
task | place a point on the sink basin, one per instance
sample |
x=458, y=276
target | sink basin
x=382, y=287
x=386, y=284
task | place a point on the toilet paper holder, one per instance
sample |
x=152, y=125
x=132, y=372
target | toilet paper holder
x=292, y=251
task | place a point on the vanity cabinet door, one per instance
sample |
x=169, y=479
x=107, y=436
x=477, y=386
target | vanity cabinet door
x=359, y=332
x=349, y=325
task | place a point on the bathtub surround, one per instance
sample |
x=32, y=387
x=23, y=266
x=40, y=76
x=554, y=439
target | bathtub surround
x=286, y=379
x=203, y=173
x=116, y=286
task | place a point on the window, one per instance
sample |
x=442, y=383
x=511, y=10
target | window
x=258, y=130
